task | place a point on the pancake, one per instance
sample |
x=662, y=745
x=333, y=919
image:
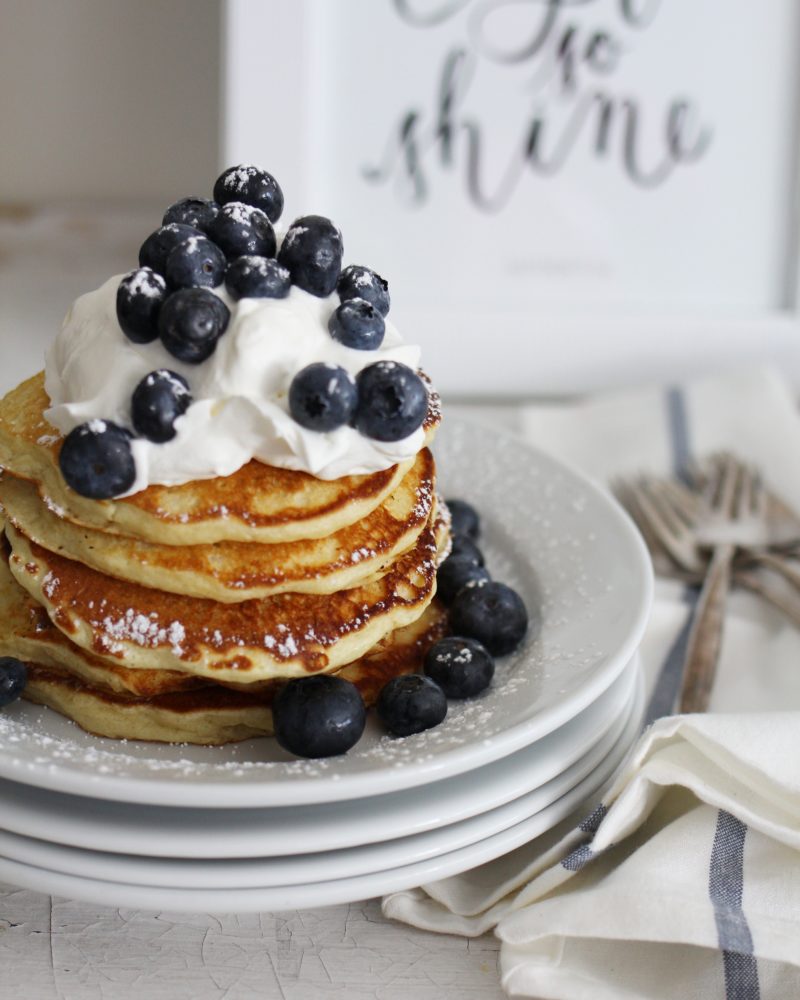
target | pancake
x=233, y=572
x=287, y=635
x=214, y=715
x=258, y=503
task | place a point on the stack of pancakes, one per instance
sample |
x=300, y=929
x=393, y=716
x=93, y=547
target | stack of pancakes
x=175, y=614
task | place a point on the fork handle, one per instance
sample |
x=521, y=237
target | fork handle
x=705, y=637
x=778, y=564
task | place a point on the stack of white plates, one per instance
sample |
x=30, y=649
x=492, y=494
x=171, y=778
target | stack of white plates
x=245, y=827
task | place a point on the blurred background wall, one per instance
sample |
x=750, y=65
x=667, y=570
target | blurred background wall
x=87, y=85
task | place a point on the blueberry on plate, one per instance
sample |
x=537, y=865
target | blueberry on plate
x=455, y=573
x=312, y=251
x=322, y=397
x=158, y=245
x=357, y=282
x=253, y=186
x=251, y=277
x=195, y=263
x=242, y=229
x=96, y=460
x=196, y=212
x=318, y=716
x=191, y=322
x=356, y=323
x=461, y=667
x=13, y=677
x=140, y=295
x=158, y=400
x=464, y=546
x=464, y=519
x=392, y=401
x=410, y=704
x=492, y=613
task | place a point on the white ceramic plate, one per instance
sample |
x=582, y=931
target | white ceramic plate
x=329, y=891
x=248, y=833
x=569, y=549
x=215, y=873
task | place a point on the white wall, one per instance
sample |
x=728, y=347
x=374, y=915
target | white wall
x=108, y=99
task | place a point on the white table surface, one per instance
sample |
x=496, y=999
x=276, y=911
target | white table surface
x=58, y=949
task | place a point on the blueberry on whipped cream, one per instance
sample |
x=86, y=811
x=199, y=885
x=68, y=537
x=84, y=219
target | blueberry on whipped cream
x=195, y=263
x=250, y=185
x=191, y=322
x=243, y=229
x=252, y=277
x=196, y=212
x=140, y=295
x=392, y=401
x=312, y=252
x=359, y=282
x=157, y=402
x=357, y=323
x=96, y=460
x=322, y=397
x=158, y=245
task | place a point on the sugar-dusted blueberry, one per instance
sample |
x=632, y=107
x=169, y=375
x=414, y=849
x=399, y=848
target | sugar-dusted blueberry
x=318, y=716
x=251, y=277
x=392, y=401
x=195, y=263
x=464, y=546
x=410, y=704
x=158, y=245
x=253, y=186
x=492, y=613
x=312, y=251
x=461, y=667
x=454, y=574
x=243, y=229
x=96, y=460
x=140, y=295
x=196, y=212
x=322, y=397
x=356, y=323
x=464, y=518
x=358, y=282
x=158, y=400
x=191, y=322
x=13, y=678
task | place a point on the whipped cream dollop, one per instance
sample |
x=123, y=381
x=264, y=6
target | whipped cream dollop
x=240, y=407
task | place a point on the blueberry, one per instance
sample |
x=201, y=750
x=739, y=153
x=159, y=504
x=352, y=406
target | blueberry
x=195, y=263
x=196, y=212
x=322, y=397
x=191, y=322
x=158, y=245
x=461, y=667
x=392, y=401
x=312, y=251
x=251, y=277
x=13, y=677
x=242, y=229
x=356, y=323
x=464, y=518
x=96, y=460
x=357, y=282
x=492, y=613
x=140, y=296
x=464, y=546
x=253, y=186
x=410, y=704
x=454, y=574
x=158, y=400
x=318, y=716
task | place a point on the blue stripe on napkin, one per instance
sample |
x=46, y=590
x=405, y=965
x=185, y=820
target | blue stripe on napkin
x=725, y=889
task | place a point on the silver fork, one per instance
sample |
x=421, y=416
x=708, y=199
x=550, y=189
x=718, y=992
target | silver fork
x=678, y=525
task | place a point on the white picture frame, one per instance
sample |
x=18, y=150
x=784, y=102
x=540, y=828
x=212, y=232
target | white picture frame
x=271, y=47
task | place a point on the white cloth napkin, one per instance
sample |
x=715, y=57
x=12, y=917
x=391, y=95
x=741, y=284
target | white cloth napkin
x=684, y=882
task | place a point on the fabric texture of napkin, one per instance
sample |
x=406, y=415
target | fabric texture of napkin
x=683, y=881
